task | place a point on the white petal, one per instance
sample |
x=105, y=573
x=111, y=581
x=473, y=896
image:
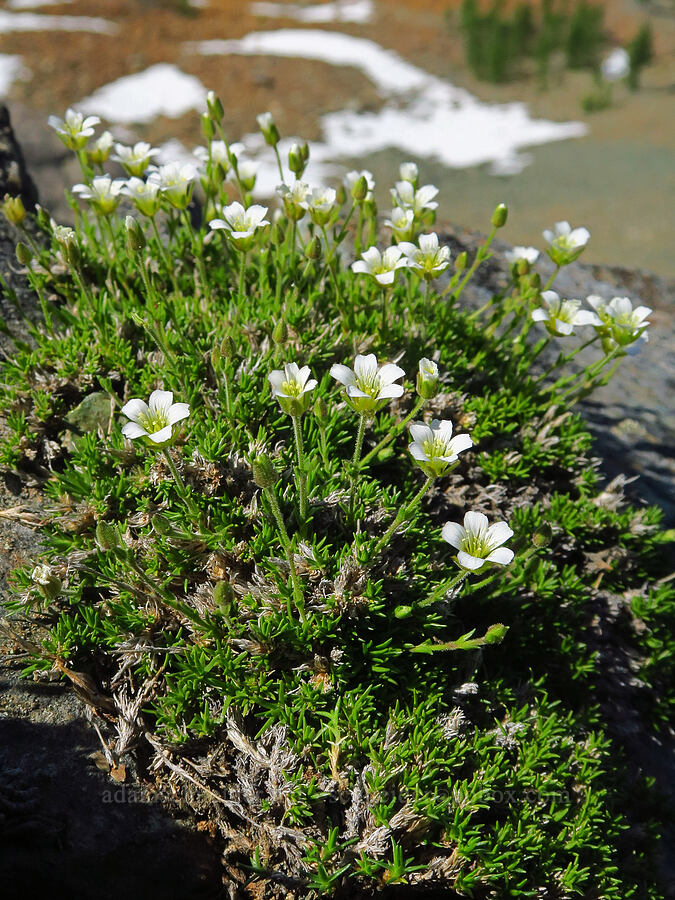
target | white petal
x=372, y=257
x=442, y=428
x=343, y=374
x=418, y=452
x=475, y=522
x=277, y=378
x=501, y=555
x=540, y=315
x=385, y=277
x=498, y=533
x=421, y=432
x=161, y=400
x=162, y=435
x=454, y=534
x=390, y=372
x=303, y=375
x=134, y=409
x=460, y=443
x=310, y=385
x=641, y=312
x=467, y=561
x=389, y=391
x=218, y=223
x=133, y=430
x=408, y=248
x=353, y=391
x=563, y=328
x=586, y=317
x=177, y=412
x=365, y=366
x=360, y=267
x=550, y=298
x=562, y=228
x=598, y=303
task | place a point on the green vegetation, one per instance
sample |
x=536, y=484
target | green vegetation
x=261, y=605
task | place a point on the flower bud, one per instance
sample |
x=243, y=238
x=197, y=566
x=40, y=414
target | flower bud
x=535, y=281
x=14, y=210
x=542, y=536
x=280, y=332
x=341, y=195
x=42, y=217
x=135, y=236
x=208, y=129
x=427, y=379
x=269, y=129
x=360, y=189
x=23, y=254
x=321, y=410
x=48, y=582
x=214, y=106
x=522, y=267
x=108, y=536
x=298, y=155
x=461, y=261
x=278, y=234
x=402, y=612
x=162, y=525
x=500, y=215
x=223, y=595
x=313, y=248
x=495, y=634
x=227, y=347
x=264, y=473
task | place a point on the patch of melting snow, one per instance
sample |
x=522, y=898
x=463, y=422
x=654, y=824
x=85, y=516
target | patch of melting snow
x=23, y=21
x=424, y=116
x=35, y=4
x=161, y=90
x=360, y=11
x=11, y=68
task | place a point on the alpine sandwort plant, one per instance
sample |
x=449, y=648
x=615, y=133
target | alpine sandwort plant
x=328, y=544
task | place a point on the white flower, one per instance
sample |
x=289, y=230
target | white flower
x=291, y=387
x=408, y=171
x=145, y=195
x=616, y=65
x=352, y=177
x=321, y=205
x=561, y=316
x=75, y=130
x=620, y=325
x=154, y=420
x=427, y=379
x=175, y=182
x=294, y=197
x=565, y=244
x=434, y=447
x=100, y=150
x=367, y=387
x=529, y=254
x=136, y=159
x=406, y=196
x=268, y=128
x=103, y=193
x=219, y=154
x=241, y=224
x=402, y=223
x=382, y=266
x=477, y=543
x=428, y=258
x=64, y=235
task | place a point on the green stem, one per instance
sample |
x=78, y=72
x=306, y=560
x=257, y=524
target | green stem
x=481, y=255
x=301, y=475
x=288, y=550
x=356, y=458
x=281, y=168
x=163, y=254
x=404, y=513
x=563, y=360
x=196, y=250
x=553, y=277
x=242, y=277
x=443, y=589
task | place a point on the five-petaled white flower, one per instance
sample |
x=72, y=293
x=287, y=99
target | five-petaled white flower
x=294, y=197
x=561, y=316
x=381, y=266
x=74, y=130
x=291, y=386
x=434, y=448
x=241, y=224
x=477, y=543
x=417, y=199
x=367, y=387
x=428, y=258
x=620, y=325
x=103, y=193
x=515, y=254
x=176, y=183
x=145, y=195
x=565, y=243
x=135, y=160
x=321, y=204
x=402, y=223
x=153, y=421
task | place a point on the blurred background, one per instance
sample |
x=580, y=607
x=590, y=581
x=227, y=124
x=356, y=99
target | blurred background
x=564, y=109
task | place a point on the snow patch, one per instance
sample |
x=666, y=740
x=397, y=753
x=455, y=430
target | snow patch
x=161, y=90
x=360, y=11
x=11, y=69
x=23, y=21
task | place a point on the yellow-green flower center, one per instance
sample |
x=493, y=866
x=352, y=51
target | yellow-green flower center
x=435, y=447
x=370, y=384
x=154, y=420
x=476, y=545
x=291, y=388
